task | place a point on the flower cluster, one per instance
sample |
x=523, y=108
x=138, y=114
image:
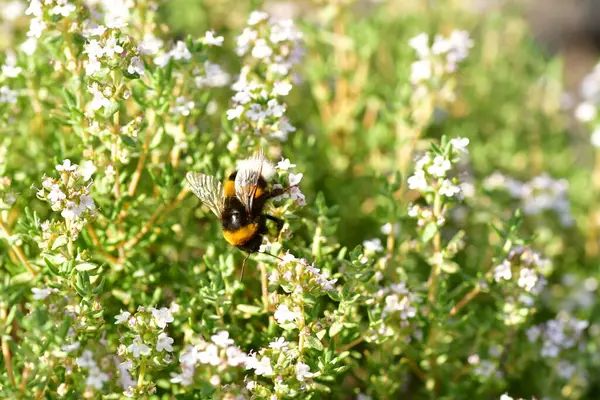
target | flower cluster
x=431, y=170
x=438, y=60
x=144, y=345
x=270, y=48
x=540, y=194
x=293, y=192
x=96, y=378
x=296, y=275
x=556, y=335
x=70, y=194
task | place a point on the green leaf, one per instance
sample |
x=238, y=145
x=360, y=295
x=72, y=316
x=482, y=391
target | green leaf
x=86, y=267
x=429, y=232
x=248, y=309
x=335, y=328
x=129, y=141
x=314, y=343
x=60, y=241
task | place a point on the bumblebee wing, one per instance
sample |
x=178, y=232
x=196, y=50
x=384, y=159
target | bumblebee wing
x=208, y=190
x=246, y=180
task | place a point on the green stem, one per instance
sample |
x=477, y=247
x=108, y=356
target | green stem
x=140, y=382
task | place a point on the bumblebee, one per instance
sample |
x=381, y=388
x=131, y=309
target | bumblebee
x=239, y=203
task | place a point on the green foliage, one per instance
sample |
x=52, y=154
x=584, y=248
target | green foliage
x=439, y=240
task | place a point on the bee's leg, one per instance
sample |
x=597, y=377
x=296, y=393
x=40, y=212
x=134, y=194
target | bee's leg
x=278, y=223
x=243, y=267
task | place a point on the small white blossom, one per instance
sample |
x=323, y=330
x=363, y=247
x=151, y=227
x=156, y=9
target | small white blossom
x=373, y=245
x=295, y=179
x=279, y=344
x=182, y=106
x=448, y=189
x=261, y=49
x=212, y=40
x=417, y=181
x=283, y=314
x=281, y=89
x=41, y=294
x=112, y=47
x=180, y=52
x=136, y=66
x=87, y=169
x=162, y=317
x=122, y=317
x=303, y=371
x=257, y=17
x=285, y=164
x=460, y=144
x=164, y=342
x=503, y=271
x=262, y=367
x=222, y=339
x=7, y=95
x=235, y=112
x=138, y=348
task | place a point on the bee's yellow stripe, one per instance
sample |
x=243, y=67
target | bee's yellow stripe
x=229, y=188
x=240, y=236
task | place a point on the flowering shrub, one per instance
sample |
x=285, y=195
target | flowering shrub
x=439, y=241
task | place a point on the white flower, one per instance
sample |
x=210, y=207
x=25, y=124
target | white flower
x=275, y=109
x=586, y=112
x=281, y=89
x=122, y=317
x=222, y=339
x=283, y=314
x=210, y=355
x=257, y=17
x=505, y=396
x=63, y=10
x=93, y=49
x=86, y=360
x=35, y=8
x=235, y=112
x=41, y=294
x=150, y=45
x=7, y=95
x=36, y=27
x=595, y=139
x=373, y=245
x=295, y=179
x=421, y=44
x=87, y=169
x=262, y=367
x=66, y=166
x=92, y=66
x=439, y=167
x=460, y=144
x=164, y=342
x=285, y=164
x=10, y=69
x=182, y=106
x=136, y=66
x=417, y=181
x=56, y=194
x=96, y=378
x=528, y=278
x=420, y=71
x=162, y=317
x=29, y=46
x=69, y=348
x=138, y=348
x=112, y=47
x=303, y=371
x=448, y=189
x=261, y=49
x=212, y=40
x=235, y=356
x=279, y=344
x=503, y=271
x=99, y=100
x=180, y=52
